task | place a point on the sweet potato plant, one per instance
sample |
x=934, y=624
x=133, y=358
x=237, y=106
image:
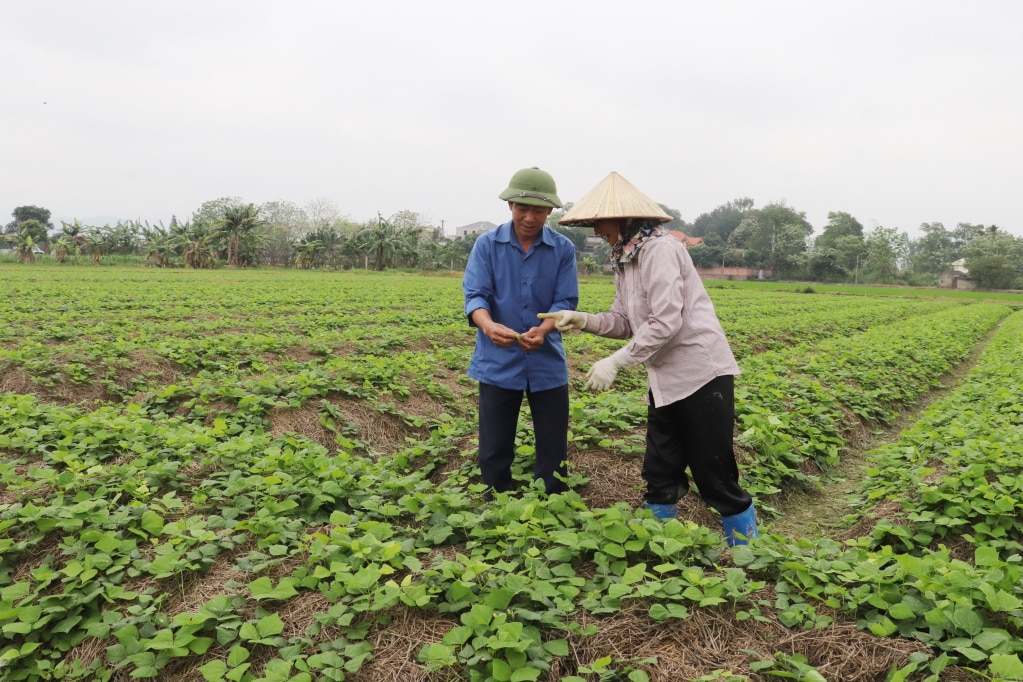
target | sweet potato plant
x=270, y=476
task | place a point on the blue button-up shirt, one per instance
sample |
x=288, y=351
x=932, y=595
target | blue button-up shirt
x=514, y=285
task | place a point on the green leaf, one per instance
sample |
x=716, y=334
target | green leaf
x=457, y=635
x=883, y=627
x=270, y=625
x=277, y=670
x=213, y=671
x=499, y=599
x=16, y=628
x=526, y=674
x=200, y=645
x=612, y=549
x=108, y=543
x=901, y=611
x=967, y=619
x=556, y=647
x=500, y=670
x=437, y=654
x=616, y=531
x=237, y=655
x=1008, y=666
x=991, y=639
x=263, y=588
x=164, y=565
x=658, y=613
x=634, y=574
x=163, y=639
x=152, y=523
x=248, y=632
x=969, y=652
x=238, y=674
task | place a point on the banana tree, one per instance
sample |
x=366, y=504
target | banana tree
x=26, y=245
x=239, y=230
x=194, y=243
x=159, y=245
x=306, y=250
x=386, y=243
x=95, y=244
x=70, y=241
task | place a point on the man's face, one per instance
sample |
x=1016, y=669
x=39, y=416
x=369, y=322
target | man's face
x=528, y=220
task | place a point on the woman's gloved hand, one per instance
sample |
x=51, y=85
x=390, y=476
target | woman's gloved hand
x=567, y=320
x=602, y=374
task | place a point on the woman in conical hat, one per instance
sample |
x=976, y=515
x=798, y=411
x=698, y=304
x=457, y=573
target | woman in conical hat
x=662, y=307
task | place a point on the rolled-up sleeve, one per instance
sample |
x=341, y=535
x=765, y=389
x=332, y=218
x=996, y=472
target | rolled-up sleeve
x=478, y=283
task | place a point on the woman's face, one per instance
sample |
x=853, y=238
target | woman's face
x=607, y=230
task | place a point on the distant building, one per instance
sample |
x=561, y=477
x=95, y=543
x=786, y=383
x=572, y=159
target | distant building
x=735, y=273
x=688, y=241
x=956, y=279
x=474, y=228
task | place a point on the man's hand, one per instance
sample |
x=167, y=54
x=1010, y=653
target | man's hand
x=502, y=336
x=567, y=320
x=602, y=374
x=532, y=339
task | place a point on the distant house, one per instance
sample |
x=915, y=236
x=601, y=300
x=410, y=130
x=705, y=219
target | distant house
x=688, y=241
x=474, y=228
x=956, y=279
x=731, y=273
x=735, y=273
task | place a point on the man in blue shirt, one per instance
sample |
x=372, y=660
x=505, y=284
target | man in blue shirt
x=514, y=272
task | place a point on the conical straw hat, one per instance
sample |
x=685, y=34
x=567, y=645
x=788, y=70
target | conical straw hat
x=614, y=197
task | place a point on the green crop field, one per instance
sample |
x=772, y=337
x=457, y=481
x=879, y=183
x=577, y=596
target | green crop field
x=270, y=476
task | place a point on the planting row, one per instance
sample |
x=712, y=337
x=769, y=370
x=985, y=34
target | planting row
x=123, y=497
x=129, y=334
x=945, y=567
x=799, y=406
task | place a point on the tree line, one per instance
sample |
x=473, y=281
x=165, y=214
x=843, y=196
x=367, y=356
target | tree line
x=776, y=238
x=229, y=232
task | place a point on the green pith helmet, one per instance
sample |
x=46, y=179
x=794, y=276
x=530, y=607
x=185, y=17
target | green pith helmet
x=534, y=187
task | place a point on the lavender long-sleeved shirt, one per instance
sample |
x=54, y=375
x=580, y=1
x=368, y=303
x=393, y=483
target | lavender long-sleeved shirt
x=661, y=304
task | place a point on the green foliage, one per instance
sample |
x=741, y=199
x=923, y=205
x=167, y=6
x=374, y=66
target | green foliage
x=37, y=216
x=235, y=428
x=992, y=272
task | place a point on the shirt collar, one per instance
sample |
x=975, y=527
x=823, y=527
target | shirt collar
x=506, y=233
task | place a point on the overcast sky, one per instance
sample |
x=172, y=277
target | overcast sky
x=897, y=112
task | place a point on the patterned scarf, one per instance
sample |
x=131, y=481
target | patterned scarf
x=637, y=232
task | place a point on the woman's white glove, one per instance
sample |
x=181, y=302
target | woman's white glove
x=567, y=320
x=602, y=374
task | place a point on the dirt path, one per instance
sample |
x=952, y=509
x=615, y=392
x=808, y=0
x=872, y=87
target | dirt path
x=814, y=513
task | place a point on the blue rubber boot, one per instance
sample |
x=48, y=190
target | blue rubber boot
x=743, y=524
x=663, y=511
